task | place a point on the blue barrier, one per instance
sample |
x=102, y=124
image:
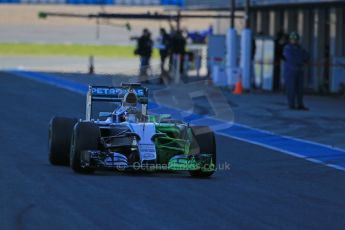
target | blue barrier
x=9, y=1
x=172, y=2
x=91, y=2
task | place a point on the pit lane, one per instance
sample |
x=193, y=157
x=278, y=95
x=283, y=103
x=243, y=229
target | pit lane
x=263, y=189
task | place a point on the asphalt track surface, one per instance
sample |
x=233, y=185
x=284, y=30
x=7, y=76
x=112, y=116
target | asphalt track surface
x=263, y=189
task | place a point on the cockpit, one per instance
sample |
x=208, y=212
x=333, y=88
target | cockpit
x=128, y=103
x=129, y=110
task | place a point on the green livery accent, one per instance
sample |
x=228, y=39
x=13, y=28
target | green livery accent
x=183, y=163
x=187, y=163
x=158, y=118
x=178, y=164
x=176, y=140
x=174, y=147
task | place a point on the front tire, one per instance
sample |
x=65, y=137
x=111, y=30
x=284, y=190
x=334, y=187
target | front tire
x=59, y=140
x=205, y=142
x=86, y=136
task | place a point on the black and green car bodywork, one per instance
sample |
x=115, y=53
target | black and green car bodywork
x=154, y=142
x=180, y=150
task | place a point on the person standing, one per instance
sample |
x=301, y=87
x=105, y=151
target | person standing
x=295, y=58
x=144, y=50
x=164, y=47
x=279, y=43
x=178, y=48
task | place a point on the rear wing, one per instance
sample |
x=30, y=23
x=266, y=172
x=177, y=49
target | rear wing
x=115, y=94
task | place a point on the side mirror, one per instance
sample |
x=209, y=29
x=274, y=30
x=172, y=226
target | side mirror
x=105, y=114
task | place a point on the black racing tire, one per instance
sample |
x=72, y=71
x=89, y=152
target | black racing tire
x=59, y=139
x=86, y=136
x=205, y=142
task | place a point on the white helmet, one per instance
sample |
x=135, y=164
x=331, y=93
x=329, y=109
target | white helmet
x=130, y=99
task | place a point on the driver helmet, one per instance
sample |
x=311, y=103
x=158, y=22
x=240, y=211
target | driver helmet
x=130, y=99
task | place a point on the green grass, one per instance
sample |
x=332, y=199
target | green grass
x=27, y=49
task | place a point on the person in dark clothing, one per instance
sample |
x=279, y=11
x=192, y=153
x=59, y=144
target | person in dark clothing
x=295, y=58
x=178, y=43
x=178, y=47
x=281, y=40
x=253, y=49
x=164, y=47
x=144, y=50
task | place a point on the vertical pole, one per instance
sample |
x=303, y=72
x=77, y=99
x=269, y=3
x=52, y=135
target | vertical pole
x=91, y=65
x=178, y=67
x=232, y=48
x=177, y=57
x=232, y=16
x=318, y=48
x=178, y=20
x=246, y=54
x=247, y=22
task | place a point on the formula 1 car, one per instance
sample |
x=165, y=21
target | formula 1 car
x=128, y=138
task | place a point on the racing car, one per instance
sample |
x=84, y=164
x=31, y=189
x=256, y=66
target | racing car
x=128, y=138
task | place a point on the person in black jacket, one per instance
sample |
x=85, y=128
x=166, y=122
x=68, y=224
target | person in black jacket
x=144, y=50
x=281, y=40
x=164, y=47
x=178, y=47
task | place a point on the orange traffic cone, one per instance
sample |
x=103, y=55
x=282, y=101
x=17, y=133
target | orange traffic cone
x=238, y=88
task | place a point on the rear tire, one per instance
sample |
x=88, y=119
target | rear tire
x=205, y=142
x=86, y=136
x=59, y=139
